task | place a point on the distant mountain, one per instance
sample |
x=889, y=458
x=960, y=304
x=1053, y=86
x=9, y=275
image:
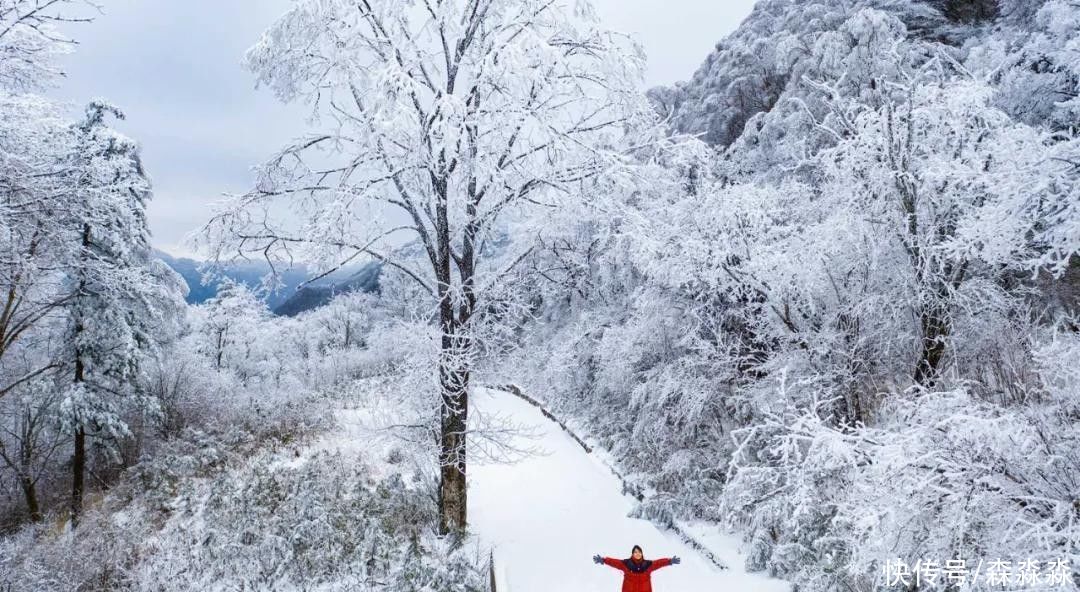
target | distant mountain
x=251, y=274
x=366, y=277
x=309, y=297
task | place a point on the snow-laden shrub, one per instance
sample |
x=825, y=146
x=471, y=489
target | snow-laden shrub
x=326, y=523
x=269, y=525
x=944, y=476
x=97, y=558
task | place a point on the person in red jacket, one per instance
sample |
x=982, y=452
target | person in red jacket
x=637, y=571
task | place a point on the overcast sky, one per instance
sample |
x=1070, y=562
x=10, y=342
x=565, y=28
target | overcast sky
x=173, y=67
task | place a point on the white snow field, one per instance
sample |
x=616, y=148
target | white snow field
x=547, y=514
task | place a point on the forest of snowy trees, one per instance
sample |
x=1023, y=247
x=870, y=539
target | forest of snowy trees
x=849, y=324
x=825, y=293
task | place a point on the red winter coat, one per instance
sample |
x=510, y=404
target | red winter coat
x=637, y=575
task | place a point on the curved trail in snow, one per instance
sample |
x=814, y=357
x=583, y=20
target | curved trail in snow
x=547, y=514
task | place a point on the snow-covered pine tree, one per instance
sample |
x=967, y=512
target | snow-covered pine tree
x=117, y=302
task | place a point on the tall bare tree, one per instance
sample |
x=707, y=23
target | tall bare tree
x=445, y=115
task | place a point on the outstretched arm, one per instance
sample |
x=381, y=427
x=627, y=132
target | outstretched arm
x=616, y=563
x=662, y=562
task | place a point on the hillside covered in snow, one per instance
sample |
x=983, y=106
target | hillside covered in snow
x=809, y=320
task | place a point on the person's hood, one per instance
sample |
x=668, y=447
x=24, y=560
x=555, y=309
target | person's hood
x=637, y=566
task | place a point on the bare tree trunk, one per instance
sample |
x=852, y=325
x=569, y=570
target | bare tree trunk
x=30, y=493
x=934, y=327
x=453, y=418
x=26, y=475
x=78, y=459
x=220, y=348
x=454, y=360
x=452, y=485
x=78, y=467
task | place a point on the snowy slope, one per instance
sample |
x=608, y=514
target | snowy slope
x=547, y=514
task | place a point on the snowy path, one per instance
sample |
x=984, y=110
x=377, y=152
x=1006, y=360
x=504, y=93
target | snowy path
x=548, y=514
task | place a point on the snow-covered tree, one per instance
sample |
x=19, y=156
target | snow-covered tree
x=72, y=201
x=35, y=143
x=35, y=242
x=1032, y=62
x=30, y=442
x=228, y=325
x=452, y=115
x=343, y=323
x=31, y=41
x=960, y=187
x=118, y=305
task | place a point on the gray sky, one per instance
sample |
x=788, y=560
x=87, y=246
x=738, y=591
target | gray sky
x=174, y=68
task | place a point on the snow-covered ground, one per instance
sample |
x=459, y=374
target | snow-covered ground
x=548, y=513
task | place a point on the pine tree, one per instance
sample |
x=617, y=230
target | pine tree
x=117, y=295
